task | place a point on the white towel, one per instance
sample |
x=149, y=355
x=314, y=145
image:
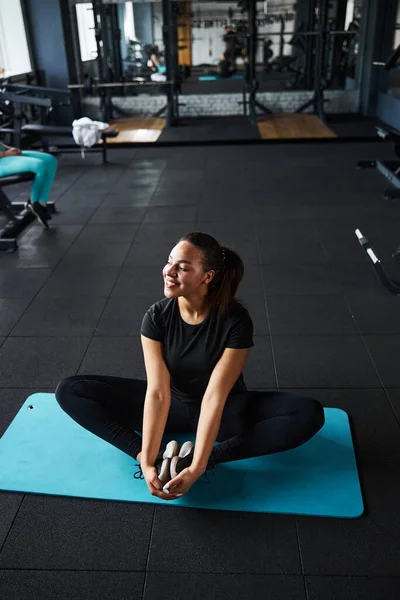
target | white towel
x=86, y=132
x=158, y=77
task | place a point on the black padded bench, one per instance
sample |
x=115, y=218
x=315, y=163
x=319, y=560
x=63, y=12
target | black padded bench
x=46, y=131
x=19, y=216
x=12, y=179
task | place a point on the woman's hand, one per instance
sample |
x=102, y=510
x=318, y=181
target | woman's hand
x=155, y=486
x=12, y=152
x=183, y=481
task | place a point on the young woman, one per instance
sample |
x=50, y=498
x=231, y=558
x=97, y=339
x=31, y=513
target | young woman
x=14, y=161
x=195, y=343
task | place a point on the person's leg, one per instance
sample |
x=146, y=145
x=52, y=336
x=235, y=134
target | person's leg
x=272, y=422
x=13, y=165
x=231, y=423
x=112, y=408
x=46, y=167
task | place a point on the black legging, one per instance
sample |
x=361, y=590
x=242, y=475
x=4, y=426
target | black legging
x=253, y=423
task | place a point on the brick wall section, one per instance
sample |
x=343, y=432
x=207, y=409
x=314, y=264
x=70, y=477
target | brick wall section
x=226, y=104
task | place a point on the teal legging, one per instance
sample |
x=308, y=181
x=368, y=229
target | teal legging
x=43, y=165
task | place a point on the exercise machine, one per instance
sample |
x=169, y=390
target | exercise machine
x=391, y=285
x=109, y=65
x=251, y=74
x=104, y=89
x=389, y=168
x=16, y=96
x=315, y=39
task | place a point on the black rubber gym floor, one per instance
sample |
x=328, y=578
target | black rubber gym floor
x=72, y=299
x=239, y=129
x=208, y=129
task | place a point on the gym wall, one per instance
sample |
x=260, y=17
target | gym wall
x=46, y=34
x=47, y=39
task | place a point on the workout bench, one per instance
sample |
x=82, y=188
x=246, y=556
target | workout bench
x=46, y=131
x=18, y=95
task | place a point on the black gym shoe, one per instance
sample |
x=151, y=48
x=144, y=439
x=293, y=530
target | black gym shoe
x=40, y=212
x=48, y=213
x=44, y=208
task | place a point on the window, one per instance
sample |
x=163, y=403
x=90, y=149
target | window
x=349, y=13
x=86, y=31
x=396, y=40
x=129, y=22
x=14, y=52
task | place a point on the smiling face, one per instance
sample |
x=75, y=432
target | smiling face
x=184, y=272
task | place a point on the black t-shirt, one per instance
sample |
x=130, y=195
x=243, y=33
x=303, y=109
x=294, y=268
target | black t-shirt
x=192, y=351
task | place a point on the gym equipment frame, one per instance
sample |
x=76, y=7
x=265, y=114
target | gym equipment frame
x=392, y=286
x=389, y=168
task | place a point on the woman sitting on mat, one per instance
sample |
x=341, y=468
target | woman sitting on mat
x=14, y=161
x=195, y=343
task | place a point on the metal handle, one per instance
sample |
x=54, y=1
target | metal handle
x=73, y=86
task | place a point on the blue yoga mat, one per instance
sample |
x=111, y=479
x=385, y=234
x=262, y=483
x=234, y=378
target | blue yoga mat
x=218, y=78
x=45, y=452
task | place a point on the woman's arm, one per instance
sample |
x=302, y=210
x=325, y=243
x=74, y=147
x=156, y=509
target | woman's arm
x=10, y=152
x=157, y=401
x=223, y=378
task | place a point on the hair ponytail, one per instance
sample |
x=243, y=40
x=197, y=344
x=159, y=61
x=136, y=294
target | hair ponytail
x=226, y=263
